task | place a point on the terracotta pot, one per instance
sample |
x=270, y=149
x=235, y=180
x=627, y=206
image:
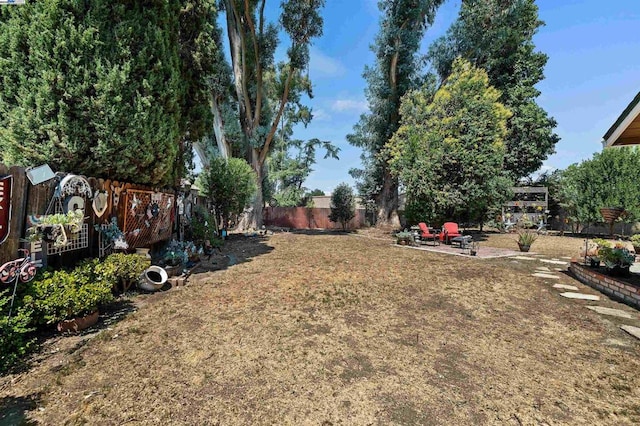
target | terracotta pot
x=80, y=323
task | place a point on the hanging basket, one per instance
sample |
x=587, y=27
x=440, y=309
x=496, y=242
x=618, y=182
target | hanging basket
x=610, y=214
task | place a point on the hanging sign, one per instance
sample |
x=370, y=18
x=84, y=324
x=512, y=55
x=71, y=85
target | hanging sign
x=5, y=207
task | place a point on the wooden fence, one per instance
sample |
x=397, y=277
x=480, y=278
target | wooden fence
x=308, y=218
x=146, y=215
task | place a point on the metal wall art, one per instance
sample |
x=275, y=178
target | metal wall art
x=100, y=202
x=6, y=184
x=148, y=217
x=74, y=185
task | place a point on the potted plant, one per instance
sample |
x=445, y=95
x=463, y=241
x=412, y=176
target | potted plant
x=404, y=238
x=593, y=251
x=57, y=228
x=617, y=259
x=635, y=240
x=71, y=298
x=526, y=239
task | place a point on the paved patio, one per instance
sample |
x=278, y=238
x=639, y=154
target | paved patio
x=484, y=252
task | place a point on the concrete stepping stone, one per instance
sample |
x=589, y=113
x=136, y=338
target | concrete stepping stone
x=580, y=296
x=565, y=286
x=554, y=262
x=565, y=257
x=610, y=311
x=524, y=258
x=543, y=268
x=541, y=275
x=634, y=331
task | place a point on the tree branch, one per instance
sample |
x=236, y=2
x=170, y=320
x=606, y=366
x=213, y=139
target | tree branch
x=245, y=93
x=274, y=126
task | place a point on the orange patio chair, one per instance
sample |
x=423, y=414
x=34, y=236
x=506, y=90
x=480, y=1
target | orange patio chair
x=449, y=230
x=426, y=234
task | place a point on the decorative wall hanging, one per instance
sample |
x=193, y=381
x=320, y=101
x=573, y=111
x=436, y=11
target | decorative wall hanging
x=74, y=185
x=146, y=222
x=115, y=194
x=100, y=203
x=23, y=270
x=6, y=184
x=73, y=203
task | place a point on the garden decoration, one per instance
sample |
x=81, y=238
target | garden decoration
x=148, y=221
x=115, y=192
x=111, y=237
x=100, y=203
x=56, y=228
x=73, y=185
x=610, y=214
x=153, y=278
x=73, y=203
x=404, y=238
x=22, y=270
x=6, y=184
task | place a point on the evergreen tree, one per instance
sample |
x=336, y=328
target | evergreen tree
x=497, y=35
x=102, y=89
x=449, y=149
x=343, y=205
x=396, y=71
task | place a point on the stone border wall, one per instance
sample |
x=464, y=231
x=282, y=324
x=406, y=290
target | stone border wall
x=623, y=292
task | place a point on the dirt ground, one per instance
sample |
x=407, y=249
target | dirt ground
x=329, y=329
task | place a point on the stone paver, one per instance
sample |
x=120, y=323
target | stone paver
x=524, y=258
x=541, y=275
x=610, y=311
x=565, y=286
x=634, y=331
x=543, y=268
x=580, y=296
x=554, y=262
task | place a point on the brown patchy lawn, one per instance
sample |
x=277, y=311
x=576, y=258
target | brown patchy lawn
x=342, y=329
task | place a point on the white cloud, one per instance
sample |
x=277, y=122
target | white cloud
x=350, y=105
x=321, y=115
x=325, y=66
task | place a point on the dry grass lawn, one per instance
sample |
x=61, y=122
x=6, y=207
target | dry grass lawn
x=343, y=329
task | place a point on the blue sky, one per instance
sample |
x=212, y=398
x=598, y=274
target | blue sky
x=592, y=74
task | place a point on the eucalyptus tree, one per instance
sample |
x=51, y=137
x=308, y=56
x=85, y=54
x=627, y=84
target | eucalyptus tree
x=449, y=149
x=396, y=71
x=497, y=35
x=252, y=44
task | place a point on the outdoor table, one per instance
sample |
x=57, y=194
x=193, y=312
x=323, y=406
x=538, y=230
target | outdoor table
x=464, y=242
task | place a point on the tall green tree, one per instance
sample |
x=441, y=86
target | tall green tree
x=102, y=89
x=252, y=44
x=609, y=179
x=449, y=149
x=396, y=71
x=497, y=35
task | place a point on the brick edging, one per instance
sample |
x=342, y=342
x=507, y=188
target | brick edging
x=625, y=293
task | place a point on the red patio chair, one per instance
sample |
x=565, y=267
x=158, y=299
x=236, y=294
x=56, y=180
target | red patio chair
x=426, y=234
x=449, y=230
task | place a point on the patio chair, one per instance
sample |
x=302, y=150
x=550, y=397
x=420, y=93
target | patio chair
x=426, y=234
x=449, y=230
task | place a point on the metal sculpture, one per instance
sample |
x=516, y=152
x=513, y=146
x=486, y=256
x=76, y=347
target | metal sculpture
x=22, y=269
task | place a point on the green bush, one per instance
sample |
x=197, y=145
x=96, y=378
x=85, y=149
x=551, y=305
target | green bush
x=60, y=295
x=122, y=269
x=343, y=205
x=14, y=343
x=635, y=240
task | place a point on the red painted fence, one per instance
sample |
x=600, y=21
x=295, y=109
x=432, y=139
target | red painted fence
x=307, y=218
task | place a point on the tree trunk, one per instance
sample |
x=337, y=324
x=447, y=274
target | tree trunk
x=218, y=129
x=387, y=202
x=252, y=216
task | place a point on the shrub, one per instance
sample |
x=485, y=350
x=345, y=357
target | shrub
x=343, y=205
x=13, y=341
x=60, y=295
x=122, y=269
x=635, y=240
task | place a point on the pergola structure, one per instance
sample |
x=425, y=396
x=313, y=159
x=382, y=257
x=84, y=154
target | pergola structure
x=626, y=129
